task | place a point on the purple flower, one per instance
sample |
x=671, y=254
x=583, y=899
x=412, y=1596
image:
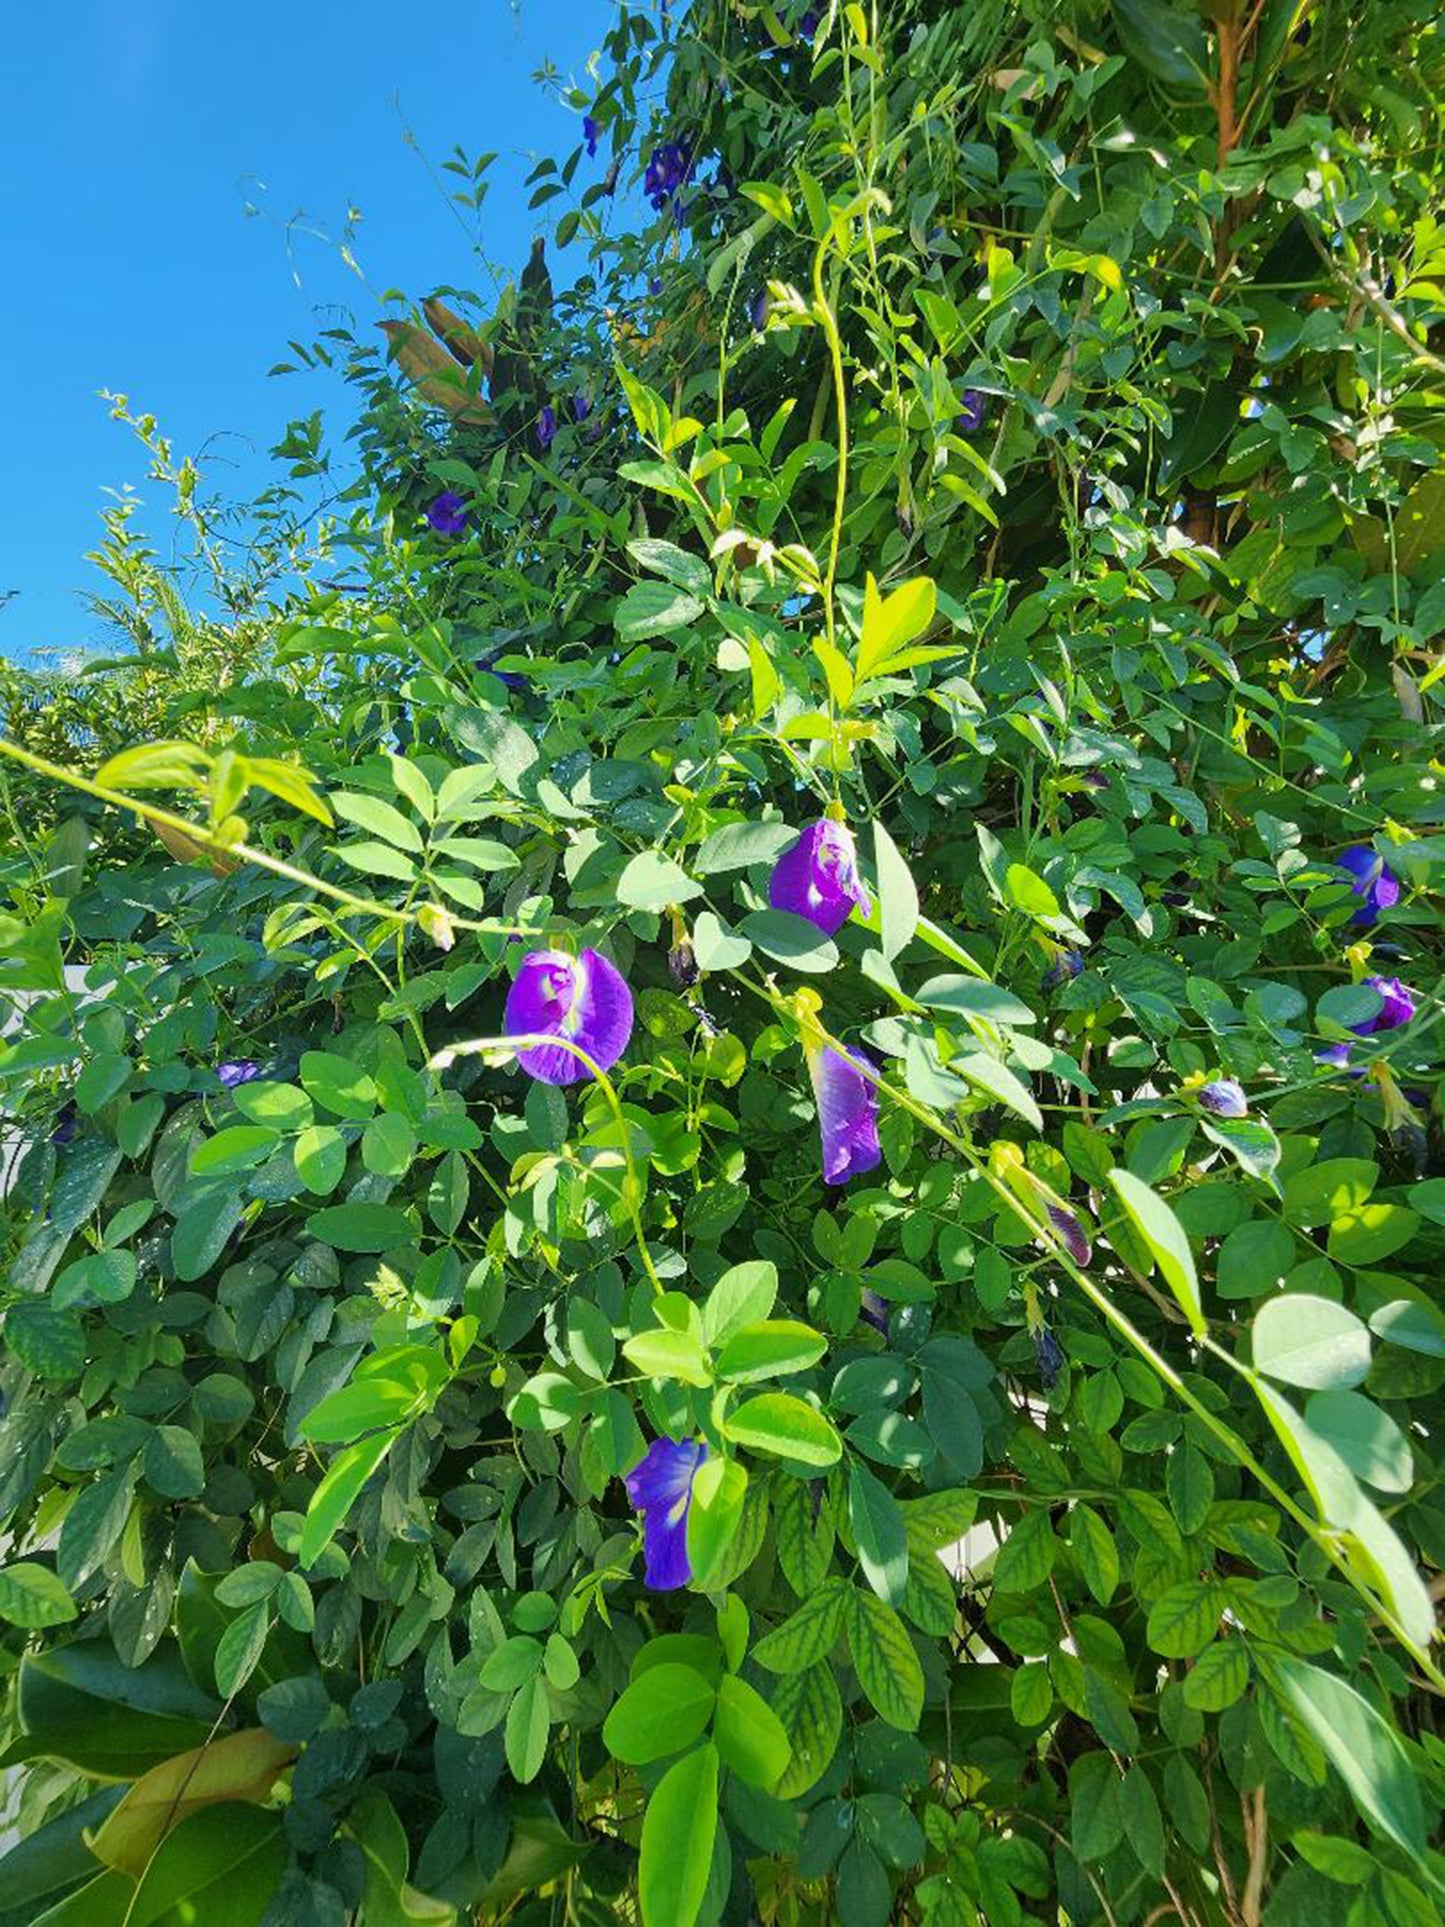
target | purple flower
x=758, y=311
x=874, y=1310
x=67, y=1126
x=682, y=964
x=1067, y=965
x=447, y=515
x=1066, y=1223
x=1225, y=1098
x=667, y=169
x=847, y=1113
x=973, y=406
x=1336, y=1054
x=660, y=1488
x=818, y=878
x=508, y=677
x=808, y=24
x=581, y=408
x=1048, y=1356
x=546, y=426
x=1375, y=884
x=590, y=131
x=1397, y=1008
x=239, y=1071
x=583, y=999
x=654, y=285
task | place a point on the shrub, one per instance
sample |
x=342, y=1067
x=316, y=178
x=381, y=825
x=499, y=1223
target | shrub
x=742, y=1220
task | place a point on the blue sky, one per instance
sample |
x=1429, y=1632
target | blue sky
x=133, y=133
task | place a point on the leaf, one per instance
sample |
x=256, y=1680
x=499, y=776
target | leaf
x=742, y=1296
x=529, y=1722
x=172, y=1463
x=1370, y=1232
x=1162, y=1232
x=241, y=1647
x=777, y=1422
x=338, y=1085
x=738, y=846
x=669, y=1354
x=717, y=946
x=879, y=1533
x=678, y=1831
x=654, y=609
x=333, y=1498
x=1183, y=1620
x=773, y=1348
x=809, y=1635
x=662, y=1711
x=891, y=624
x=749, y=1735
x=888, y=1668
x=235, y=1766
x=1191, y=1487
x=718, y=1492
x=1166, y=40
x=1367, y=1439
x=221, y=1865
x=1026, y=1557
x=1313, y=1342
x=1362, y=1748
x=1000, y=1082
x=791, y=940
x=380, y=818
x=975, y=997
x=652, y=881
x=897, y=893
x=320, y=1158
x=32, y=1596
x=1094, y=1550
x=363, y=1227
x=46, y=1339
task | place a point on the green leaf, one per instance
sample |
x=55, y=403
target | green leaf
x=1026, y=1557
x=529, y=1723
x=1094, y=1550
x=718, y=1491
x=380, y=818
x=1191, y=1487
x=333, y=1498
x=661, y=1712
x=652, y=881
x=669, y=1354
x=654, y=609
x=337, y=1085
x=363, y=1227
x=717, y=946
x=879, y=1534
x=1327, y=1190
x=221, y=1865
x=100, y=1278
x=1370, y=1232
x=744, y=1295
x=1166, y=40
x=1096, y=1806
x=32, y=1596
x=890, y=624
x=975, y=997
x=320, y=1156
x=678, y=1831
x=883, y=1657
x=809, y=1635
x=241, y=1647
x=172, y=1463
x=777, y=1422
x=791, y=940
x=1414, y=1326
x=999, y=1081
x=1183, y=1620
x=897, y=894
x=1218, y=1677
x=773, y=1348
x=1367, y=1439
x=238, y=1148
x=46, y=1339
x=1311, y=1342
x=1162, y=1232
x=738, y=846
x=749, y=1735
x=1361, y=1746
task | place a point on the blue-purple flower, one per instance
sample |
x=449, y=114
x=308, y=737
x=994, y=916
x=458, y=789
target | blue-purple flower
x=847, y=1113
x=583, y=999
x=973, y=406
x=67, y=1126
x=238, y=1071
x=447, y=513
x=758, y=311
x=874, y=1310
x=1048, y=1356
x=1375, y=883
x=660, y=1488
x=1075, y=1241
x=818, y=878
x=1066, y=966
x=1397, y=1007
x=581, y=408
x=808, y=24
x=654, y=285
x=591, y=129
x=546, y=426
x=667, y=169
x=1224, y=1097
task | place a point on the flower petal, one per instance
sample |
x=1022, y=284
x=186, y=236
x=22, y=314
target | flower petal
x=584, y=999
x=818, y=878
x=660, y=1488
x=847, y=1114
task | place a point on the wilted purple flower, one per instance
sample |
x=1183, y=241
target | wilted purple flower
x=874, y=1310
x=973, y=406
x=546, y=426
x=581, y=408
x=1048, y=1356
x=1067, y=1224
x=847, y=1113
x=758, y=311
x=447, y=514
x=238, y=1071
x=590, y=131
x=818, y=878
x=1375, y=884
x=67, y=1126
x=1066, y=966
x=1397, y=1008
x=583, y=999
x=1224, y=1097
x=682, y=964
x=660, y=1488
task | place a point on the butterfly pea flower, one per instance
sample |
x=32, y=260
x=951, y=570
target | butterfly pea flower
x=591, y=129
x=583, y=999
x=1067, y=965
x=1071, y=1232
x=808, y=24
x=1397, y=1007
x=238, y=1071
x=660, y=1488
x=758, y=312
x=447, y=514
x=546, y=426
x=67, y=1126
x=1048, y=1357
x=667, y=169
x=847, y=1113
x=1338, y=1057
x=1375, y=883
x=818, y=878
x=581, y=408
x=1224, y=1097
x=874, y=1310
x=973, y=406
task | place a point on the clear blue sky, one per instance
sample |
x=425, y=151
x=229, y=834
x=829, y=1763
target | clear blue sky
x=132, y=135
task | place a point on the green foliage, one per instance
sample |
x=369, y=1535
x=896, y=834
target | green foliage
x=1031, y=461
